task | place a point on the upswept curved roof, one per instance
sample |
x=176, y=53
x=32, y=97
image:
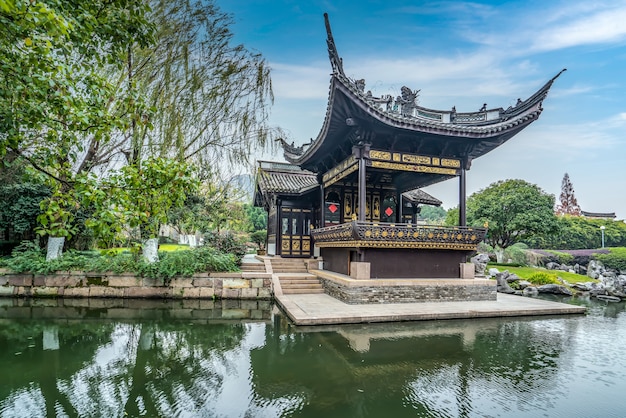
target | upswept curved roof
x=465, y=135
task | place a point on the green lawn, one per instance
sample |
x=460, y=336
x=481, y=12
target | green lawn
x=526, y=272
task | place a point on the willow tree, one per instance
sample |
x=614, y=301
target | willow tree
x=205, y=98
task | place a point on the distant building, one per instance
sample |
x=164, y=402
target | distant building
x=598, y=215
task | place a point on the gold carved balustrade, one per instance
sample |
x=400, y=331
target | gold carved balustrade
x=389, y=235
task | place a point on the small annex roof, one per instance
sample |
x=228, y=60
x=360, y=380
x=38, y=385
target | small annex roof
x=420, y=197
x=275, y=178
x=441, y=133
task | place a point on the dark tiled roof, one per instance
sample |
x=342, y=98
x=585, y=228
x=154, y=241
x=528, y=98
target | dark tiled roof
x=284, y=178
x=598, y=214
x=419, y=196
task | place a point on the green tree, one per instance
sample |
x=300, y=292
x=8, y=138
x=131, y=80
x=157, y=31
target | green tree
x=513, y=210
x=433, y=214
x=256, y=217
x=138, y=198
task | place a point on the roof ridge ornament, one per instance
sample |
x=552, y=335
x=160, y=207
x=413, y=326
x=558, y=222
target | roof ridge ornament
x=335, y=59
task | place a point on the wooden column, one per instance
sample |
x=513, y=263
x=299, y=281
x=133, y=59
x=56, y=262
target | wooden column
x=362, y=153
x=322, y=207
x=462, y=193
x=399, y=208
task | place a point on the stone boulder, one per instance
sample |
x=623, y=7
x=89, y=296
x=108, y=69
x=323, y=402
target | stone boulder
x=609, y=298
x=503, y=283
x=480, y=263
x=530, y=291
x=555, y=289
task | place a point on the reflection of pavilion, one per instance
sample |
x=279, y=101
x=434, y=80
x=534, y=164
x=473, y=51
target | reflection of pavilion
x=354, y=193
x=408, y=369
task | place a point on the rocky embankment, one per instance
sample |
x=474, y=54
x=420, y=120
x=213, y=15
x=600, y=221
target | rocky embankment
x=611, y=284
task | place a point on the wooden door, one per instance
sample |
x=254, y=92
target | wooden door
x=295, y=232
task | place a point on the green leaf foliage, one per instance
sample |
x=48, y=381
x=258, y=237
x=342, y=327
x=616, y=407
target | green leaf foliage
x=577, y=232
x=513, y=210
x=28, y=257
x=615, y=259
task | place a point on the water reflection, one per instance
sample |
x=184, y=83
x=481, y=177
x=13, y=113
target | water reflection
x=151, y=358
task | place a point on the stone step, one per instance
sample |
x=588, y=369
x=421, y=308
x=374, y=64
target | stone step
x=297, y=281
x=301, y=291
x=302, y=286
x=255, y=267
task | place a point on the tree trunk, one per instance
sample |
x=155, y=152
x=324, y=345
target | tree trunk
x=150, y=250
x=499, y=254
x=55, y=248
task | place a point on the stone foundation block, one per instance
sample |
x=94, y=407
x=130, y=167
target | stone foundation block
x=105, y=292
x=62, y=280
x=257, y=283
x=124, y=281
x=235, y=314
x=235, y=283
x=151, y=282
x=202, y=282
x=250, y=293
x=45, y=291
x=7, y=290
x=191, y=292
x=265, y=293
x=182, y=282
x=20, y=280
x=231, y=293
x=360, y=270
x=206, y=293
x=467, y=270
x=76, y=292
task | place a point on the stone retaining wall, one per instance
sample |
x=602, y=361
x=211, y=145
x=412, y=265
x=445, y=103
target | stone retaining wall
x=109, y=285
x=63, y=310
x=406, y=290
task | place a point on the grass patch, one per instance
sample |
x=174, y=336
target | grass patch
x=527, y=272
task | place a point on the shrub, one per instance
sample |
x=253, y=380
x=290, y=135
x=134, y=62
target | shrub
x=28, y=257
x=541, y=278
x=560, y=257
x=226, y=242
x=614, y=259
x=517, y=254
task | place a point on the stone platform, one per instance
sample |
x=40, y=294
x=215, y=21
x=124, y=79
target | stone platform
x=322, y=309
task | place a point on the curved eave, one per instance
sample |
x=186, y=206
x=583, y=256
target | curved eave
x=493, y=134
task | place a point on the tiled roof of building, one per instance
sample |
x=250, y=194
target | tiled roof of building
x=284, y=178
x=419, y=196
x=610, y=215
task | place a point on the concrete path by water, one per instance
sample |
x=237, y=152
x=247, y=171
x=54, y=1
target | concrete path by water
x=322, y=309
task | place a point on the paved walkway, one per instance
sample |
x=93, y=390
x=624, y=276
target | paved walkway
x=321, y=309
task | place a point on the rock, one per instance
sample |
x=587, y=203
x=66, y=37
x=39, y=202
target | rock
x=552, y=265
x=503, y=284
x=554, y=289
x=493, y=271
x=595, y=269
x=583, y=287
x=609, y=298
x=523, y=284
x=480, y=263
x=530, y=291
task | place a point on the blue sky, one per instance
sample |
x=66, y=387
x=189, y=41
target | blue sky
x=465, y=54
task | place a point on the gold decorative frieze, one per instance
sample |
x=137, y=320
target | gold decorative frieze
x=413, y=162
x=416, y=159
x=380, y=155
x=447, y=162
x=414, y=168
x=343, y=169
x=387, y=235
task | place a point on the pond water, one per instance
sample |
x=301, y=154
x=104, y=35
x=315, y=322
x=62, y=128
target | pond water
x=231, y=359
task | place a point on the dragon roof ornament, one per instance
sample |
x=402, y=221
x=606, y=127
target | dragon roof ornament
x=335, y=59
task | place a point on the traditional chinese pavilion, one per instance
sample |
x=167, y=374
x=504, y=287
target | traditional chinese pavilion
x=351, y=195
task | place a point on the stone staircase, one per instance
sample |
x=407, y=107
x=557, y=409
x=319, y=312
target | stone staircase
x=253, y=267
x=294, y=277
